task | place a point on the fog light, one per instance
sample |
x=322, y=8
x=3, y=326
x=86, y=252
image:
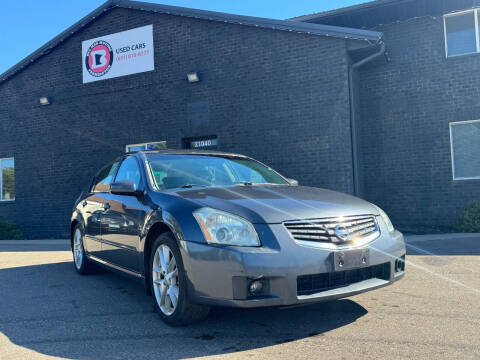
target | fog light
x=400, y=264
x=255, y=287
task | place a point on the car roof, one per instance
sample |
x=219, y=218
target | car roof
x=190, y=152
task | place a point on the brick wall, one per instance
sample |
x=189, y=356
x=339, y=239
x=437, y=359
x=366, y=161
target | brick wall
x=277, y=96
x=406, y=107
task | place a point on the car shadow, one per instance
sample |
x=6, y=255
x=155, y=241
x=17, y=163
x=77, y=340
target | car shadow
x=52, y=310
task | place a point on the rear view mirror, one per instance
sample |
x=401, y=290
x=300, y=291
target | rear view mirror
x=124, y=188
x=293, y=182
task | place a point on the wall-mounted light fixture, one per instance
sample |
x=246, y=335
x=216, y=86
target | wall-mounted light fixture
x=193, y=77
x=45, y=100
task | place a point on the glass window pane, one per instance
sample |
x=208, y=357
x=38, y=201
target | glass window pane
x=466, y=150
x=174, y=171
x=8, y=179
x=461, y=37
x=129, y=171
x=134, y=148
x=157, y=145
x=161, y=145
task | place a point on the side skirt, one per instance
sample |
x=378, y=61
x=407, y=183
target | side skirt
x=120, y=269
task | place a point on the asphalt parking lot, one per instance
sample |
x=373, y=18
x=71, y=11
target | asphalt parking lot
x=48, y=311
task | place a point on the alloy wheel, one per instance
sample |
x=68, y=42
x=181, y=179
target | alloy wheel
x=165, y=279
x=78, y=248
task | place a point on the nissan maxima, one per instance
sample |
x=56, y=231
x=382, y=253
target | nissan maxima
x=204, y=228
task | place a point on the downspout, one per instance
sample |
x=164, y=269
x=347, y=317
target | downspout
x=353, y=120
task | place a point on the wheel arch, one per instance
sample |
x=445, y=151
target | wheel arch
x=73, y=224
x=77, y=218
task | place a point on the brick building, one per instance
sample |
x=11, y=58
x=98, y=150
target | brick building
x=419, y=140
x=359, y=100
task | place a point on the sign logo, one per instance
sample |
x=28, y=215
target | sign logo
x=113, y=55
x=99, y=58
x=342, y=233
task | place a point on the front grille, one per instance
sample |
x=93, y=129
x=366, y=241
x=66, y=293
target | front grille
x=311, y=284
x=342, y=230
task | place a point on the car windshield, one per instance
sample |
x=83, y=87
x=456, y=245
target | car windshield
x=177, y=171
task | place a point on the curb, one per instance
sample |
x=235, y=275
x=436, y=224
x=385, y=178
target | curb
x=61, y=242
x=432, y=237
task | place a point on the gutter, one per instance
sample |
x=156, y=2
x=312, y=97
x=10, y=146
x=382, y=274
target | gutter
x=353, y=120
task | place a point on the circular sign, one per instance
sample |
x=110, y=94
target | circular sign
x=99, y=58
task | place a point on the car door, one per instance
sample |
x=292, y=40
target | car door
x=93, y=208
x=123, y=220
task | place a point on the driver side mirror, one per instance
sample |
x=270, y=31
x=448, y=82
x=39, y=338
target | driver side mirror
x=293, y=182
x=124, y=188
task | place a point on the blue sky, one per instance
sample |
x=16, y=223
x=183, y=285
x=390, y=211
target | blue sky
x=25, y=25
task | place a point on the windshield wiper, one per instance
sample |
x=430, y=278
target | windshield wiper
x=186, y=186
x=249, y=183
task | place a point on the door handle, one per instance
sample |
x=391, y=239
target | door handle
x=106, y=206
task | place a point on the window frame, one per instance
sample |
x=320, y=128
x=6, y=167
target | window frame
x=451, y=125
x=477, y=35
x=1, y=179
x=144, y=145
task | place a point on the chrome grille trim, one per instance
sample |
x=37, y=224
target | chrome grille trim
x=322, y=232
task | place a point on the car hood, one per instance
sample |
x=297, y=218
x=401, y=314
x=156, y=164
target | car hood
x=277, y=203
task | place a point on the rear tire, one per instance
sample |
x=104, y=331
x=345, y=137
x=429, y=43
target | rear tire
x=80, y=260
x=169, y=284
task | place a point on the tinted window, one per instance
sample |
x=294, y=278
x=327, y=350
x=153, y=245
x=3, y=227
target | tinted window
x=129, y=171
x=104, y=178
x=461, y=38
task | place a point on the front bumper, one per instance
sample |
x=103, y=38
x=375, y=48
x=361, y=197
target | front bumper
x=219, y=276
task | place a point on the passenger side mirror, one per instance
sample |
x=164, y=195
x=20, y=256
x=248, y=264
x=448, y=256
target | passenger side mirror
x=293, y=182
x=124, y=188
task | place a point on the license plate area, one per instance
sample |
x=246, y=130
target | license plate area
x=351, y=259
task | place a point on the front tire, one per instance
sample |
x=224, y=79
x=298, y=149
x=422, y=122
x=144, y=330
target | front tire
x=169, y=286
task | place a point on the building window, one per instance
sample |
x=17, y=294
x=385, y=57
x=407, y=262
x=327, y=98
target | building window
x=465, y=149
x=158, y=145
x=7, y=179
x=461, y=33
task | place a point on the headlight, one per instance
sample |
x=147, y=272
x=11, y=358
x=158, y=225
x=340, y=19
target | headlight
x=385, y=218
x=220, y=227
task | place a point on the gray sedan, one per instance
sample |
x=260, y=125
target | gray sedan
x=202, y=229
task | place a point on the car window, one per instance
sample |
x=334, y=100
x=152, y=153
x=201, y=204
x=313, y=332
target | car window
x=129, y=171
x=104, y=178
x=179, y=170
